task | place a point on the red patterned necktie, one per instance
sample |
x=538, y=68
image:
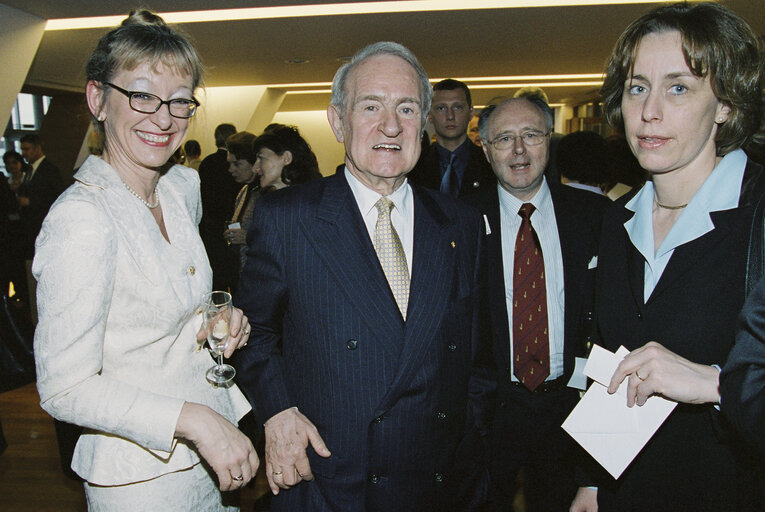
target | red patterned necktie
x=531, y=346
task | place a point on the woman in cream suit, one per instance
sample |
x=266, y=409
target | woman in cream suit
x=122, y=273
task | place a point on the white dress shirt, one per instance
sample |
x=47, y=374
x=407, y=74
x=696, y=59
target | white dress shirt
x=546, y=227
x=402, y=215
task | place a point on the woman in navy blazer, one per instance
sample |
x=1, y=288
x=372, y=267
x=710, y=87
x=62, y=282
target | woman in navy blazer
x=683, y=84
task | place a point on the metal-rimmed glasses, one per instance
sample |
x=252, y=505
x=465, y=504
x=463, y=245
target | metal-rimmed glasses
x=147, y=103
x=528, y=138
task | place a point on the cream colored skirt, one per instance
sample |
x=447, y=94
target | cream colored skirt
x=193, y=489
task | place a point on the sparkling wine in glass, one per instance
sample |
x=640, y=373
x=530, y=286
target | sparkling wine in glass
x=217, y=311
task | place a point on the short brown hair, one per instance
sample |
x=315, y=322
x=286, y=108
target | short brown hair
x=716, y=43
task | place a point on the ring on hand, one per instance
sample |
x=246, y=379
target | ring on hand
x=239, y=478
x=276, y=473
x=638, y=375
x=247, y=330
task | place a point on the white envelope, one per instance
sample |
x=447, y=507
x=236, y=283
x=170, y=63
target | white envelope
x=603, y=424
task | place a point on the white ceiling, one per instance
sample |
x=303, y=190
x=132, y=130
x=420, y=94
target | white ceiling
x=468, y=43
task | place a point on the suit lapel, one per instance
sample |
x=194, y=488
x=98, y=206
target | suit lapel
x=341, y=240
x=686, y=256
x=496, y=280
x=433, y=275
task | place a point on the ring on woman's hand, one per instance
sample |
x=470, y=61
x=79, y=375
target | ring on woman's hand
x=239, y=478
x=247, y=330
x=276, y=473
x=638, y=375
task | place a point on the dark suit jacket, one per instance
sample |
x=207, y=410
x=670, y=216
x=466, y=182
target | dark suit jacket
x=742, y=383
x=579, y=215
x=478, y=174
x=390, y=399
x=218, y=190
x=42, y=190
x=690, y=463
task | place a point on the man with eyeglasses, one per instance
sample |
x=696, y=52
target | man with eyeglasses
x=543, y=239
x=453, y=165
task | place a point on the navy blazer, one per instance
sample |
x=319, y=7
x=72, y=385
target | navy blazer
x=691, y=463
x=393, y=400
x=742, y=382
x=579, y=215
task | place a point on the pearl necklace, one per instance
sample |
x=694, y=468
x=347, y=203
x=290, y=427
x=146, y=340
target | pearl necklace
x=156, y=194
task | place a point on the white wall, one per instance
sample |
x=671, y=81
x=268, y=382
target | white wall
x=21, y=35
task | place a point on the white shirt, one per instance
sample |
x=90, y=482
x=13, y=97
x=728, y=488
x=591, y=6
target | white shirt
x=720, y=191
x=546, y=227
x=402, y=215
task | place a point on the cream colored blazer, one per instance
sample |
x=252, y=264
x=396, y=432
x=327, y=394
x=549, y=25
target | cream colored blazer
x=119, y=308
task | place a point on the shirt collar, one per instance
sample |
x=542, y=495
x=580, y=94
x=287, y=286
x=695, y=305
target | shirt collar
x=366, y=197
x=720, y=191
x=510, y=204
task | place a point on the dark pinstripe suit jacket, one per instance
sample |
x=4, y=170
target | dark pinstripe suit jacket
x=389, y=398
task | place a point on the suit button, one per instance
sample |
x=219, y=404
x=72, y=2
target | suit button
x=441, y=415
x=378, y=419
x=438, y=477
x=503, y=404
x=351, y=344
x=640, y=316
x=373, y=479
x=476, y=184
x=452, y=347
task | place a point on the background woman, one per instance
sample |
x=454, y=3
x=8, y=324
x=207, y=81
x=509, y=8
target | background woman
x=282, y=158
x=684, y=83
x=122, y=273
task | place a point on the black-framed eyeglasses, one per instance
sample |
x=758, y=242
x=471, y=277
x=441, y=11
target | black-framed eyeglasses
x=147, y=103
x=529, y=138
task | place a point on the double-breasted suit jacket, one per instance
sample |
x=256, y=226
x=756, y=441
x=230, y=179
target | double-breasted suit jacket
x=692, y=462
x=390, y=398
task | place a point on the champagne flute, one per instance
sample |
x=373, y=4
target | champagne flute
x=217, y=312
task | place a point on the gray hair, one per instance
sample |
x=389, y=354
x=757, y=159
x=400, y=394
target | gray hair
x=539, y=103
x=381, y=48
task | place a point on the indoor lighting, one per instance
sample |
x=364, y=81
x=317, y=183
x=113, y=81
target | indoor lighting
x=339, y=9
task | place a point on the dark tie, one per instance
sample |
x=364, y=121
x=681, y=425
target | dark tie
x=450, y=183
x=531, y=346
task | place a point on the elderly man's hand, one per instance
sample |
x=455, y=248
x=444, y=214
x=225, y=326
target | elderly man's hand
x=287, y=436
x=653, y=369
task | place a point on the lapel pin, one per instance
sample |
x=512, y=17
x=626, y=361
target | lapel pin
x=476, y=184
x=453, y=244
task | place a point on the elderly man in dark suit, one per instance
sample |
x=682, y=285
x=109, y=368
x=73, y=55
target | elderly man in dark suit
x=362, y=292
x=453, y=165
x=542, y=239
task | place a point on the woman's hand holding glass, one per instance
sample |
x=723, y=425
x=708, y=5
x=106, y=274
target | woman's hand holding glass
x=238, y=332
x=226, y=329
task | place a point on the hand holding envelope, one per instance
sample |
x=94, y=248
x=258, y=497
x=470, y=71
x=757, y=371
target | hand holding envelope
x=604, y=425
